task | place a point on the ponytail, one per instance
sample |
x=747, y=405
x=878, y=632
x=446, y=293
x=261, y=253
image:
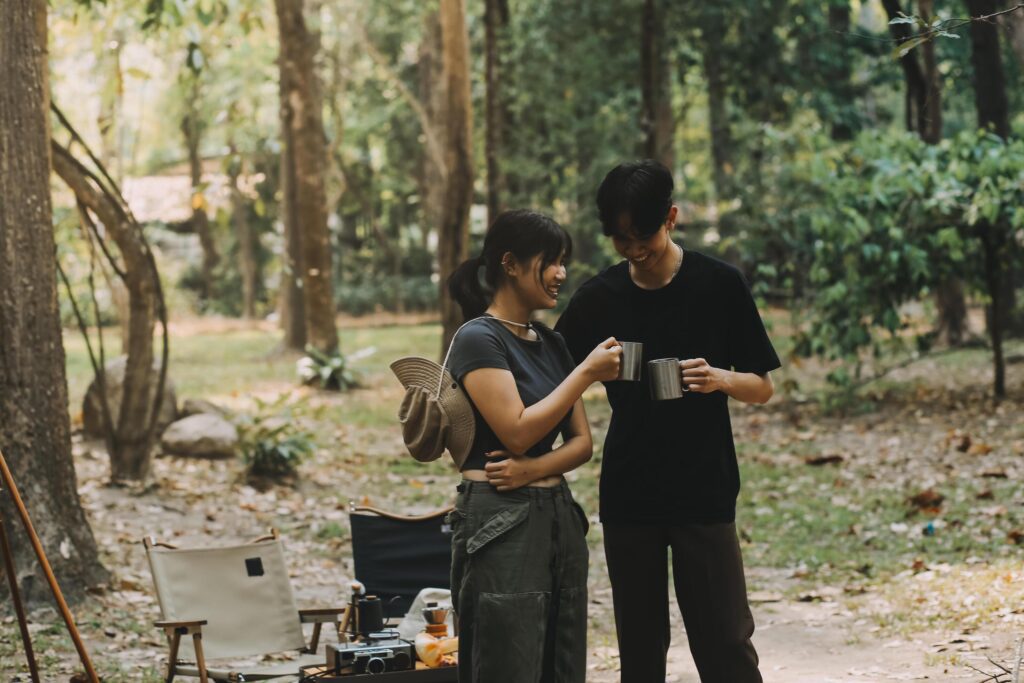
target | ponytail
x=465, y=288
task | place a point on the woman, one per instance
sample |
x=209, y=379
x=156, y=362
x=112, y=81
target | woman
x=519, y=556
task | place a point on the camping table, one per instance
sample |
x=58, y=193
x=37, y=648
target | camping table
x=320, y=674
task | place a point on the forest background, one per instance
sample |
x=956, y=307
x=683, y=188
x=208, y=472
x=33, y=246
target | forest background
x=259, y=204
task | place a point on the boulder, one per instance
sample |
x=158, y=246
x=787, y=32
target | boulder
x=92, y=408
x=201, y=436
x=199, y=406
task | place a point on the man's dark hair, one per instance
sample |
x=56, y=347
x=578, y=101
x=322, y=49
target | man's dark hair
x=642, y=190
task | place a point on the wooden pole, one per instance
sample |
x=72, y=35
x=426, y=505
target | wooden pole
x=12, y=579
x=69, y=621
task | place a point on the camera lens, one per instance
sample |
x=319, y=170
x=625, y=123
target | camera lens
x=375, y=665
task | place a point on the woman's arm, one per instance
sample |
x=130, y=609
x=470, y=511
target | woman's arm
x=518, y=470
x=496, y=396
x=742, y=386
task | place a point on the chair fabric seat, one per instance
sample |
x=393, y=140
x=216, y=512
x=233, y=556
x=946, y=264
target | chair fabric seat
x=256, y=672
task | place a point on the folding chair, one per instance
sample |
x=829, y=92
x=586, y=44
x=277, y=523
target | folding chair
x=234, y=602
x=396, y=556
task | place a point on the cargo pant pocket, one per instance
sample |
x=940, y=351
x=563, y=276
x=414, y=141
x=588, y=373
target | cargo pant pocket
x=583, y=517
x=498, y=525
x=508, y=646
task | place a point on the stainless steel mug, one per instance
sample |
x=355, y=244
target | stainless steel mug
x=631, y=362
x=665, y=379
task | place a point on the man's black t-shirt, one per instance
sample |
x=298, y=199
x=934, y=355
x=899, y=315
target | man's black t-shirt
x=538, y=367
x=670, y=462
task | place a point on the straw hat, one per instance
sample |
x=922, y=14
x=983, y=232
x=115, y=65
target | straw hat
x=432, y=422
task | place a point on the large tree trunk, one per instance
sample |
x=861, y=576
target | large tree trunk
x=453, y=237
x=917, y=89
x=718, y=114
x=432, y=96
x=35, y=433
x=132, y=438
x=303, y=135
x=656, y=120
x=192, y=128
x=496, y=21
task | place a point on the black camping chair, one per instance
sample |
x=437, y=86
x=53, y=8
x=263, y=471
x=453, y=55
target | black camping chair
x=396, y=556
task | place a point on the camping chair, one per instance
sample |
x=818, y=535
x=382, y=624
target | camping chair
x=396, y=556
x=234, y=602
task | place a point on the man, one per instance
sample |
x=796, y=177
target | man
x=669, y=476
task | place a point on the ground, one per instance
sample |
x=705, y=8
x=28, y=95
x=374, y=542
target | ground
x=880, y=530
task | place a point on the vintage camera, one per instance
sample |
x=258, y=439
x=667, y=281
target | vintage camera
x=379, y=653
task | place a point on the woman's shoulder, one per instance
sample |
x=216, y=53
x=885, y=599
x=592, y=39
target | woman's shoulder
x=476, y=332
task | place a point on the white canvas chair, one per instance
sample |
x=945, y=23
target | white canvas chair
x=234, y=602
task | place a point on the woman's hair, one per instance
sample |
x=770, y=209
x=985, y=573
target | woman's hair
x=641, y=190
x=523, y=233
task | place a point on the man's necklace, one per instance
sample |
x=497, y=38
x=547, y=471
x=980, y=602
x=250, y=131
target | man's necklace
x=679, y=265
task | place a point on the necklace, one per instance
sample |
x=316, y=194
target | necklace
x=526, y=326
x=675, y=271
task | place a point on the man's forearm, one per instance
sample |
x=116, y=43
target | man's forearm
x=747, y=386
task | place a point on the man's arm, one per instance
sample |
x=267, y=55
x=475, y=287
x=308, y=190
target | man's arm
x=748, y=387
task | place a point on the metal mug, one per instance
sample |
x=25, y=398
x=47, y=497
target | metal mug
x=665, y=379
x=631, y=362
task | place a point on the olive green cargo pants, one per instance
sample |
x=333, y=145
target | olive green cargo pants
x=519, y=584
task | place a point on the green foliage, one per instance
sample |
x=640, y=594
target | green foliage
x=857, y=231
x=271, y=441
x=327, y=371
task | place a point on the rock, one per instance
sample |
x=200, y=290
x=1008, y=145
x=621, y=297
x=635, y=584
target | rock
x=92, y=409
x=203, y=435
x=199, y=406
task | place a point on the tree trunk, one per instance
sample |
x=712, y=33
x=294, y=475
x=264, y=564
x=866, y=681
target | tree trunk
x=718, y=114
x=453, y=237
x=192, y=129
x=989, y=79
x=656, y=120
x=917, y=90
x=496, y=21
x=35, y=433
x=932, y=130
x=1014, y=25
x=432, y=96
x=245, y=235
x=291, y=304
x=303, y=136
x=993, y=114
x=133, y=437
x=842, y=68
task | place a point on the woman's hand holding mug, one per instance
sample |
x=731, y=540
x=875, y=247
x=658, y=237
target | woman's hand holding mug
x=602, y=365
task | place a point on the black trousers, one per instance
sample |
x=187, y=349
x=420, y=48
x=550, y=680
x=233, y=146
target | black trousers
x=707, y=568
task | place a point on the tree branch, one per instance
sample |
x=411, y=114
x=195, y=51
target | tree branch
x=429, y=130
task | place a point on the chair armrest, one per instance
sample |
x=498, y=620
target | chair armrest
x=437, y=514
x=182, y=627
x=326, y=615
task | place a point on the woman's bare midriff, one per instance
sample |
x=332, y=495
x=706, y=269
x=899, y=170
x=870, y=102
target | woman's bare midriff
x=546, y=482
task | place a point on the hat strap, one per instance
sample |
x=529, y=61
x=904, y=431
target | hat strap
x=444, y=365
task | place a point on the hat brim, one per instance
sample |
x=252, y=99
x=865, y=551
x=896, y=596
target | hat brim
x=413, y=371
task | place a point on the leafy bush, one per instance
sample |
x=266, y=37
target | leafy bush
x=856, y=231
x=271, y=441
x=326, y=371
